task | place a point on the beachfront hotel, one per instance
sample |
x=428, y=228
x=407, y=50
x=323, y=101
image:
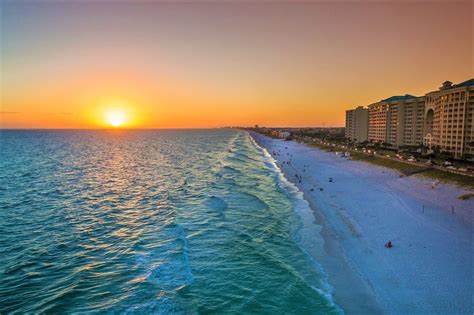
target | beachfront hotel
x=449, y=119
x=357, y=124
x=442, y=119
x=414, y=110
x=397, y=120
x=377, y=124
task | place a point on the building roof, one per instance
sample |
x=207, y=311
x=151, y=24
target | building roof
x=465, y=83
x=399, y=98
x=448, y=85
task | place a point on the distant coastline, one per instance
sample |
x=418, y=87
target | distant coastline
x=332, y=140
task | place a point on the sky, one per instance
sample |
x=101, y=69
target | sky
x=214, y=64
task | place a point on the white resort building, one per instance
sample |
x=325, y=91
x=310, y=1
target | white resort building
x=441, y=120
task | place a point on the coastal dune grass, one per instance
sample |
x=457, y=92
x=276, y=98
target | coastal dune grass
x=466, y=196
x=460, y=180
x=399, y=166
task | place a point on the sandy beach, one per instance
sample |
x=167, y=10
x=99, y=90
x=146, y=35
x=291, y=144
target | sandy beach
x=360, y=207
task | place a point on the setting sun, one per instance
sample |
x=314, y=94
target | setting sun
x=106, y=112
x=238, y=156
x=116, y=118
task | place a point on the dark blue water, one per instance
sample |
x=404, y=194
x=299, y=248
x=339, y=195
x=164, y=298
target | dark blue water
x=150, y=222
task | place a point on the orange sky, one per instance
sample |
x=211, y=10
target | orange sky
x=192, y=65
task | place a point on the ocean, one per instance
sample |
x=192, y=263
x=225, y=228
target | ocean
x=152, y=221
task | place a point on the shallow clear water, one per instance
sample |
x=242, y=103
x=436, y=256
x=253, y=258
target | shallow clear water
x=150, y=221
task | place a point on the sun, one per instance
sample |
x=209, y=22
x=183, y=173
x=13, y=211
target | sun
x=116, y=118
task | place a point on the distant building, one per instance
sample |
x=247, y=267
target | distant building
x=378, y=126
x=441, y=119
x=413, y=122
x=449, y=118
x=397, y=120
x=285, y=135
x=357, y=124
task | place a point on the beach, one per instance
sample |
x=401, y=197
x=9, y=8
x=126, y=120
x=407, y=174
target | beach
x=361, y=207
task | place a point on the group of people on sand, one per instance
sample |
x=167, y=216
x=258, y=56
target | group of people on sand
x=298, y=177
x=388, y=244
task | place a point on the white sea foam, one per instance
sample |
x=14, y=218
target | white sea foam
x=137, y=232
x=307, y=230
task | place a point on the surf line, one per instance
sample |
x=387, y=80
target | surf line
x=298, y=195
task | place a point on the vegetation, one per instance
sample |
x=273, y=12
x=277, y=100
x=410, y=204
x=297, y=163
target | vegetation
x=406, y=168
x=335, y=135
x=457, y=179
x=396, y=165
x=466, y=196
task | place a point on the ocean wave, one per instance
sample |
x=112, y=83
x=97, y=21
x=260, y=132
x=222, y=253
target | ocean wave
x=216, y=203
x=251, y=201
x=149, y=222
x=230, y=170
x=300, y=205
x=168, y=265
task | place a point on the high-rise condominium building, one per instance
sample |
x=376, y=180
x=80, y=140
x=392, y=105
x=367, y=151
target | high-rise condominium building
x=449, y=114
x=378, y=117
x=397, y=120
x=441, y=119
x=357, y=124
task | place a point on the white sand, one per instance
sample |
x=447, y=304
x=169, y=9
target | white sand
x=429, y=269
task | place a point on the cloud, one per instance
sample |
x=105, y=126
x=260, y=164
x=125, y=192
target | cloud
x=8, y=113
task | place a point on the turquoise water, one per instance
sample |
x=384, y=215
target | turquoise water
x=150, y=222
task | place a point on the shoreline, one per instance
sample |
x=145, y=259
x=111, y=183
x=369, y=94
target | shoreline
x=331, y=258
x=413, y=276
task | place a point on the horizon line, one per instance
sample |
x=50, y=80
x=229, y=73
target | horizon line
x=177, y=128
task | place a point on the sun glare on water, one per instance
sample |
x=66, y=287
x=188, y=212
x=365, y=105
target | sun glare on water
x=116, y=118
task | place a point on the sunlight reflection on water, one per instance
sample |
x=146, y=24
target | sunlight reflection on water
x=147, y=221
